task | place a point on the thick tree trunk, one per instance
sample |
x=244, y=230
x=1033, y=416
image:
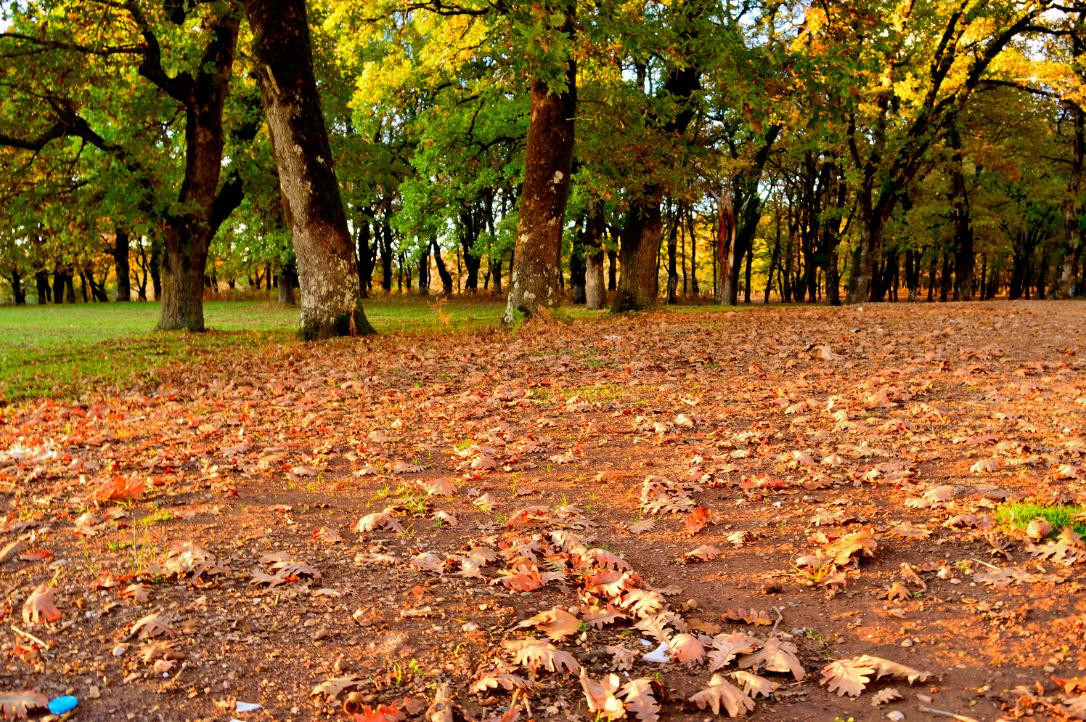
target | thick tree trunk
x=547, y=160
x=45, y=294
x=18, y=293
x=285, y=284
x=331, y=299
x=594, y=293
x=726, y=247
x=640, y=247
x=121, y=264
x=871, y=224
x=639, y=284
x=182, y=290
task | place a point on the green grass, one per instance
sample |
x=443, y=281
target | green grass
x=65, y=351
x=1019, y=514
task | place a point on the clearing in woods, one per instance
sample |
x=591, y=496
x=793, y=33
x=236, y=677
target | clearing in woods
x=816, y=512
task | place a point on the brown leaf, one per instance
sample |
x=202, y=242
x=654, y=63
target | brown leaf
x=755, y=685
x=601, y=696
x=153, y=625
x=885, y=696
x=556, y=623
x=755, y=617
x=533, y=653
x=725, y=647
x=505, y=680
x=621, y=657
x=640, y=699
x=846, y=676
x=857, y=544
x=120, y=489
x=686, y=648
x=40, y=607
x=697, y=520
x=722, y=693
x=775, y=656
x=333, y=687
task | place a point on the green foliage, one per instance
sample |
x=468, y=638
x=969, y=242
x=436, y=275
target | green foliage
x=1019, y=514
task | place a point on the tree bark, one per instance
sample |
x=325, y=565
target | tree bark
x=18, y=293
x=549, y=154
x=639, y=283
x=672, y=256
x=121, y=264
x=963, y=227
x=331, y=299
x=727, y=263
x=386, y=255
x=1074, y=232
x=442, y=271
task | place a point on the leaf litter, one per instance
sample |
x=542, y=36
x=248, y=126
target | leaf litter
x=840, y=525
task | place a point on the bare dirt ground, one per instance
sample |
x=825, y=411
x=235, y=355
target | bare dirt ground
x=355, y=528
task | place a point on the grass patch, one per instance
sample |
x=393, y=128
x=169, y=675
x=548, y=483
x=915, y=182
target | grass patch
x=65, y=351
x=1019, y=514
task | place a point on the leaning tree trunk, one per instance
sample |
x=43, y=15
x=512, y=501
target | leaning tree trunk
x=534, y=279
x=331, y=300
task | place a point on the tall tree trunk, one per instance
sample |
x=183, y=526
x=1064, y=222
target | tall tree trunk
x=612, y=270
x=155, y=267
x=945, y=278
x=41, y=280
x=122, y=269
x=424, y=272
x=639, y=251
x=672, y=253
x=693, y=252
x=639, y=284
x=547, y=160
x=727, y=248
x=963, y=227
x=595, y=228
x=331, y=300
x=1074, y=232
x=364, y=259
x=442, y=271
x=204, y=206
x=386, y=254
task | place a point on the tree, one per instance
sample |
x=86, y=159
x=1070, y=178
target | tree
x=331, y=300
x=547, y=163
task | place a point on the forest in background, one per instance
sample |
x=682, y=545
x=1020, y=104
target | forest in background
x=793, y=151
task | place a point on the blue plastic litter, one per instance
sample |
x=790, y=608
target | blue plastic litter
x=60, y=705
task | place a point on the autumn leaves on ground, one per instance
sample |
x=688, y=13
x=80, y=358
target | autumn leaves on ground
x=790, y=514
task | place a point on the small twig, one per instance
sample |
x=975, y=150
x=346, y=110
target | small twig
x=944, y=713
x=41, y=643
x=990, y=566
x=780, y=618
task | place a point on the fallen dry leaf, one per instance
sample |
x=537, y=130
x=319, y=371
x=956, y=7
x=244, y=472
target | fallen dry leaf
x=722, y=693
x=40, y=607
